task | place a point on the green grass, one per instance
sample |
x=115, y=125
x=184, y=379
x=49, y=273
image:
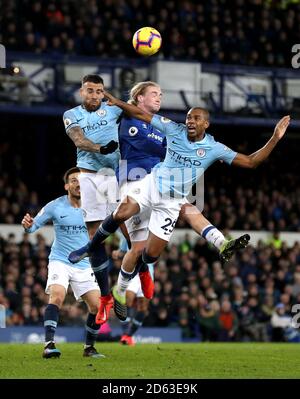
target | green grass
x=203, y=360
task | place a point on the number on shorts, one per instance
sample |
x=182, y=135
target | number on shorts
x=169, y=226
x=93, y=274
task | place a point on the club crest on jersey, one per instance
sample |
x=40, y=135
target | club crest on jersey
x=132, y=131
x=164, y=120
x=136, y=220
x=101, y=112
x=67, y=122
x=54, y=277
x=201, y=152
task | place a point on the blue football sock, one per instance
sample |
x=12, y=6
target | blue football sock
x=127, y=323
x=107, y=227
x=141, y=266
x=137, y=322
x=100, y=265
x=50, y=321
x=92, y=329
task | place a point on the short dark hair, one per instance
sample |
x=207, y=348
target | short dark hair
x=92, y=78
x=70, y=172
x=204, y=112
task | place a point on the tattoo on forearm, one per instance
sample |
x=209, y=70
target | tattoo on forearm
x=81, y=142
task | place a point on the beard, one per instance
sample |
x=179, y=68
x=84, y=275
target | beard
x=91, y=107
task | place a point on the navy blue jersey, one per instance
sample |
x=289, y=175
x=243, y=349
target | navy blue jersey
x=142, y=146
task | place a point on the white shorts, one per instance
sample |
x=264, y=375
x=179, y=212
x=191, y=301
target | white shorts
x=81, y=280
x=164, y=210
x=135, y=287
x=99, y=195
x=137, y=225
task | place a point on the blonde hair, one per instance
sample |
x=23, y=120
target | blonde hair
x=139, y=89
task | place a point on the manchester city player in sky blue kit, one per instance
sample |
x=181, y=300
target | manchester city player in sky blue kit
x=142, y=147
x=93, y=128
x=190, y=151
x=70, y=231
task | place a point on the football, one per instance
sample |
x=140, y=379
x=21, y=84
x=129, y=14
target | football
x=146, y=41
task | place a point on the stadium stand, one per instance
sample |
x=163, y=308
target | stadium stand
x=192, y=289
x=258, y=31
x=250, y=298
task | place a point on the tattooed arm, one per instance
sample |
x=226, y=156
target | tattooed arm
x=81, y=142
x=84, y=144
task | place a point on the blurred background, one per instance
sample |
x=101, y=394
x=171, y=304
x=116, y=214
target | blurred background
x=233, y=58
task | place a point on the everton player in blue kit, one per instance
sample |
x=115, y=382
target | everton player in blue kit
x=190, y=151
x=141, y=146
x=70, y=231
x=93, y=128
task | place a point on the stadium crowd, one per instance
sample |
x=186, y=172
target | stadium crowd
x=231, y=199
x=247, y=32
x=251, y=297
x=192, y=290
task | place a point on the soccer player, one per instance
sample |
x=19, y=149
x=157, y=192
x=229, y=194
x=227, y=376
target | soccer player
x=142, y=147
x=70, y=232
x=136, y=303
x=190, y=151
x=93, y=128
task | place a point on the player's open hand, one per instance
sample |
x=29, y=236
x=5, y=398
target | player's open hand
x=281, y=127
x=111, y=100
x=27, y=221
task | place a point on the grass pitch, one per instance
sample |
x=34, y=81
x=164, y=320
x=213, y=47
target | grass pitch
x=203, y=360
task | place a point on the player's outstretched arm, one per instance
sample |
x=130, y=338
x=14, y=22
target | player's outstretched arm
x=129, y=109
x=255, y=159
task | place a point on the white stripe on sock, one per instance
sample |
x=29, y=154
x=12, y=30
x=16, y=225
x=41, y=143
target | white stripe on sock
x=215, y=237
x=123, y=282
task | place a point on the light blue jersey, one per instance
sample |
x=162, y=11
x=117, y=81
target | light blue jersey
x=185, y=160
x=100, y=127
x=69, y=227
x=124, y=248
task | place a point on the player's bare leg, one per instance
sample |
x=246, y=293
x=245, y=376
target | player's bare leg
x=202, y=226
x=129, y=271
x=131, y=257
x=152, y=251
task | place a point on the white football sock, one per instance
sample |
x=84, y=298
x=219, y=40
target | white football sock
x=123, y=281
x=213, y=235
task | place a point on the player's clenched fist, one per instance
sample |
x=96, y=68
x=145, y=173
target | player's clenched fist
x=27, y=221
